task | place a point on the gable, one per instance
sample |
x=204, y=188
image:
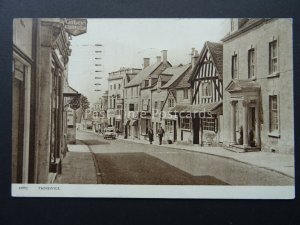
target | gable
x=211, y=53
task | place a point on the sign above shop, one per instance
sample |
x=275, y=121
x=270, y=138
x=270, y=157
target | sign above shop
x=76, y=26
x=75, y=103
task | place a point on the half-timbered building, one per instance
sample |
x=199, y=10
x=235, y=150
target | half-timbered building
x=207, y=95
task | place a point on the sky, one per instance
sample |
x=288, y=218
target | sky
x=125, y=42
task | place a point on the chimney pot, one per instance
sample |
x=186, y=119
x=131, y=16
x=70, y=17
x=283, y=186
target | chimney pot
x=194, y=61
x=164, y=55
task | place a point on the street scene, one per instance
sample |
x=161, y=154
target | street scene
x=95, y=160
x=153, y=101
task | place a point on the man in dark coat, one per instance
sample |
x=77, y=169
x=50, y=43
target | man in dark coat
x=150, y=135
x=161, y=133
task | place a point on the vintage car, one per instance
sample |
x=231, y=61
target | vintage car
x=110, y=132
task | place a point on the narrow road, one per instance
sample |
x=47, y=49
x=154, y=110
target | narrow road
x=125, y=162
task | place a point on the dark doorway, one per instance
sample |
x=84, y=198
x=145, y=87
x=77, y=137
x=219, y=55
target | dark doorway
x=175, y=130
x=196, y=127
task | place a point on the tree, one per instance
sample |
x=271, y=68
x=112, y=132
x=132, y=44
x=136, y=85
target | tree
x=84, y=103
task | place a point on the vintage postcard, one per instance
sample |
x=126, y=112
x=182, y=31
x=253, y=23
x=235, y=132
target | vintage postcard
x=153, y=108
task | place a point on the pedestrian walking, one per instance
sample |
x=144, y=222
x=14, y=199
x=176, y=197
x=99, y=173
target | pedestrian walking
x=161, y=133
x=150, y=135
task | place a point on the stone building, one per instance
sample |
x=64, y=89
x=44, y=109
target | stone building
x=258, y=85
x=40, y=64
x=116, y=82
x=164, y=99
x=133, y=98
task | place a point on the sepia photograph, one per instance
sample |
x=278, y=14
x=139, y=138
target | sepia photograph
x=153, y=108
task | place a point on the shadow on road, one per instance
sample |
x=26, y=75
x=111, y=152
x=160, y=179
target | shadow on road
x=94, y=142
x=141, y=168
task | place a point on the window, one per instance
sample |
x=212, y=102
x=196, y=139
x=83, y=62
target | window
x=119, y=86
x=273, y=113
x=169, y=126
x=234, y=69
x=131, y=107
x=206, y=90
x=273, y=55
x=146, y=83
x=251, y=63
x=209, y=124
x=114, y=86
x=155, y=105
x=171, y=102
x=131, y=91
x=111, y=87
x=185, y=93
x=185, y=123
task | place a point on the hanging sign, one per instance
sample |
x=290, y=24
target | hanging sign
x=76, y=26
x=75, y=103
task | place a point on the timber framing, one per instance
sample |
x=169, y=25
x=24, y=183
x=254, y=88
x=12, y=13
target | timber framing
x=206, y=79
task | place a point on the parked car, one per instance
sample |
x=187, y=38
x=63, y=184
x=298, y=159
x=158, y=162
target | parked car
x=110, y=132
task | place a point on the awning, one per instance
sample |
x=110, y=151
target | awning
x=191, y=109
x=133, y=122
x=70, y=92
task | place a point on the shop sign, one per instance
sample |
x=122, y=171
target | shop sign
x=76, y=26
x=75, y=103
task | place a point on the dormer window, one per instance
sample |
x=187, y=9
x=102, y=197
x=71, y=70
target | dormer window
x=146, y=83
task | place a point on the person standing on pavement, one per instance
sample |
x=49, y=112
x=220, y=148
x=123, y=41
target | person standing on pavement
x=161, y=133
x=150, y=135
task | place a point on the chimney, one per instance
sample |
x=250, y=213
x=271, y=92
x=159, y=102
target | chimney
x=158, y=58
x=164, y=55
x=194, y=60
x=146, y=62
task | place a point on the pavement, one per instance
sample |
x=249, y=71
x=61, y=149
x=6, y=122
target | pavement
x=79, y=164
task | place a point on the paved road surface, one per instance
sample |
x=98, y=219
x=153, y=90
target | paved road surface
x=124, y=162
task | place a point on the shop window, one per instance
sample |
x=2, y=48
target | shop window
x=185, y=123
x=169, y=126
x=209, y=124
